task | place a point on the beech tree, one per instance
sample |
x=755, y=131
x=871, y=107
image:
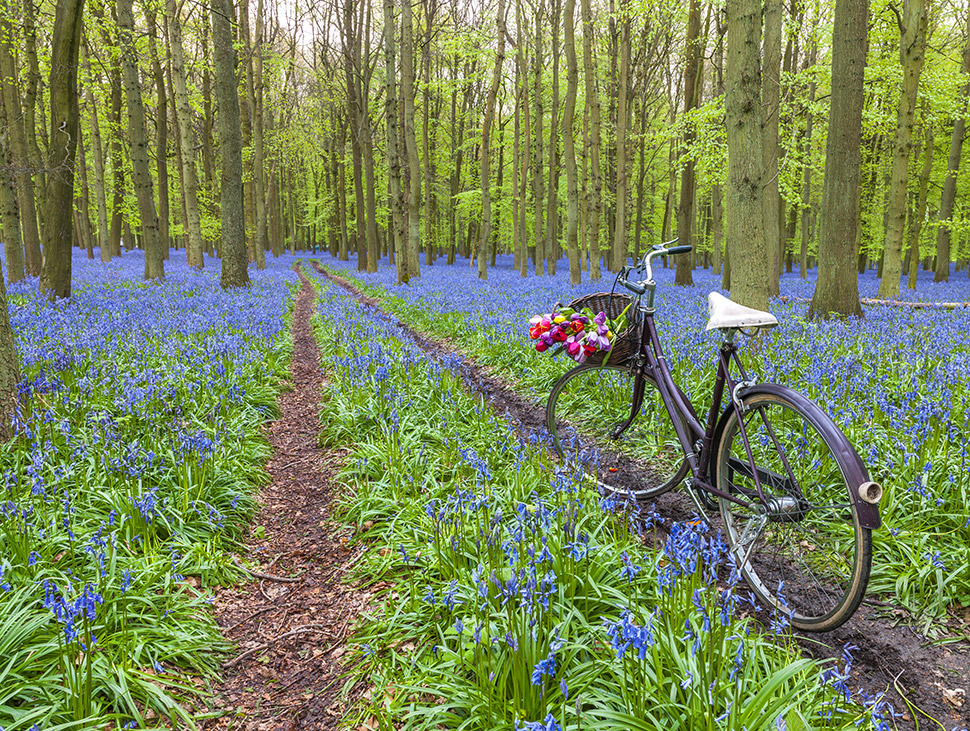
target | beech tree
x=55, y=275
x=233, y=250
x=744, y=221
x=835, y=292
x=912, y=47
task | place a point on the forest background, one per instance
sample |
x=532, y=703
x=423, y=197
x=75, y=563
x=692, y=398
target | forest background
x=796, y=133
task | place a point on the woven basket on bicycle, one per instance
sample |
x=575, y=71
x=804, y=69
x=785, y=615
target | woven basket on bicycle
x=627, y=341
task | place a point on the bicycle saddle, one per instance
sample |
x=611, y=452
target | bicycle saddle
x=723, y=314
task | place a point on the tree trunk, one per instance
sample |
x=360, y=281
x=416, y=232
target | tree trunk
x=9, y=362
x=342, y=194
x=10, y=215
x=20, y=154
x=235, y=272
x=552, y=190
x=522, y=60
x=569, y=113
x=620, y=246
x=916, y=223
x=486, y=231
x=837, y=288
x=770, y=99
x=183, y=113
x=97, y=153
x=396, y=222
x=246, y=111
x=161, y=135
x=537, y=115
x=744, y=212
x=806, y=222
x=410, y=141
x=912, y=50
x=593, y=105
x=55, y=275
x=82, y=205
x=429, y=238
x=259, y=154
x=117, y=162
x=141, y=175
x=952, y=170
x=355, y=111
x=692, y=89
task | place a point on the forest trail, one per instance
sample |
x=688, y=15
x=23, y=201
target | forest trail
x=291, y=621
x=921, y=680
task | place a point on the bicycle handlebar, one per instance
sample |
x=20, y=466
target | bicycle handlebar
x=665, y=249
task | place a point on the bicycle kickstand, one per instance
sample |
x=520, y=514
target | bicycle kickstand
x=752, y=531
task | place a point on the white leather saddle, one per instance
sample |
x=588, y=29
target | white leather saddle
x=723, y=314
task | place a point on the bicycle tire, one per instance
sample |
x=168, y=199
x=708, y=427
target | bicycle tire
x=812, y=560
x=589, y=402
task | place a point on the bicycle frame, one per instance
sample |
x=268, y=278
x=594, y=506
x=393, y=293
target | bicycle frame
x=695, y=438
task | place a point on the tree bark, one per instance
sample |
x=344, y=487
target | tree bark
x=259, y=153
x=9, y=362
x=744, y=213
x=10, y=215
x=770, y=100
x=20, y=153
x=183, y=113
x=596, y=183
x=837, y=288
x=55, y=275
x=522, y=60
x=692, y=88
x=916, y=223
x=140, y=172
x=235, y=272
x=396, y=222
x=552, y=190
x=410, y=140
x=117, y=161
x=537, y=115
x=486, y=231
x=161, y=135
x=948, y=197
x=569, y=113
x=912, y=50
x=97, y=153
x=620, y=246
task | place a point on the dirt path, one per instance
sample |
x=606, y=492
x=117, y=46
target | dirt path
x=290, y=624
x=921, y=680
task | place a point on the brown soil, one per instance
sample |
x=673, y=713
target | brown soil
x=919, y=679
x=290, y=623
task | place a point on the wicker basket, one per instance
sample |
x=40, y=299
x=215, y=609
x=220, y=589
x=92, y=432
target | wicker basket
x=628, y=340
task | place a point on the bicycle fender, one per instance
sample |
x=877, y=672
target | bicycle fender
x=855, y=471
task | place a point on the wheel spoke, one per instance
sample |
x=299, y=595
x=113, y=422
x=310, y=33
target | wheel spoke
x=812, y=541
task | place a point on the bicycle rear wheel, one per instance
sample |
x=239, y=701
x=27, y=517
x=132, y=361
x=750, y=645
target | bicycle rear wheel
x=585, y=409
x=811, y=557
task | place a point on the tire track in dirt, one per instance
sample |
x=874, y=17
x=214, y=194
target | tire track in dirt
x=890, y=657
x=291, y=622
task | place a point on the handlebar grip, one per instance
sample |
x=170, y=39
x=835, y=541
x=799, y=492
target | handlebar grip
x=679, y=250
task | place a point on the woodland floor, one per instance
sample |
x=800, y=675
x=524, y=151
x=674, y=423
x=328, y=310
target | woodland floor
x=292, y=620
x=921, y=680
x=291, y=633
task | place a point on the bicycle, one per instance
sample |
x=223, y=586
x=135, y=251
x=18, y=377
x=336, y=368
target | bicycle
x=796, y=500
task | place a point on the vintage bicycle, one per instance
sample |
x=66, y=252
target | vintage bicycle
x=796, y=500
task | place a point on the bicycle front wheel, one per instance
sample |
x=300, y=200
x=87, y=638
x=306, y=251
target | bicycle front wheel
x=808, y=556
x=587, y=408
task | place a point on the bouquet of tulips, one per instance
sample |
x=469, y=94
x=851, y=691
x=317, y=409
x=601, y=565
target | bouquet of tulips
x=581, y=333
